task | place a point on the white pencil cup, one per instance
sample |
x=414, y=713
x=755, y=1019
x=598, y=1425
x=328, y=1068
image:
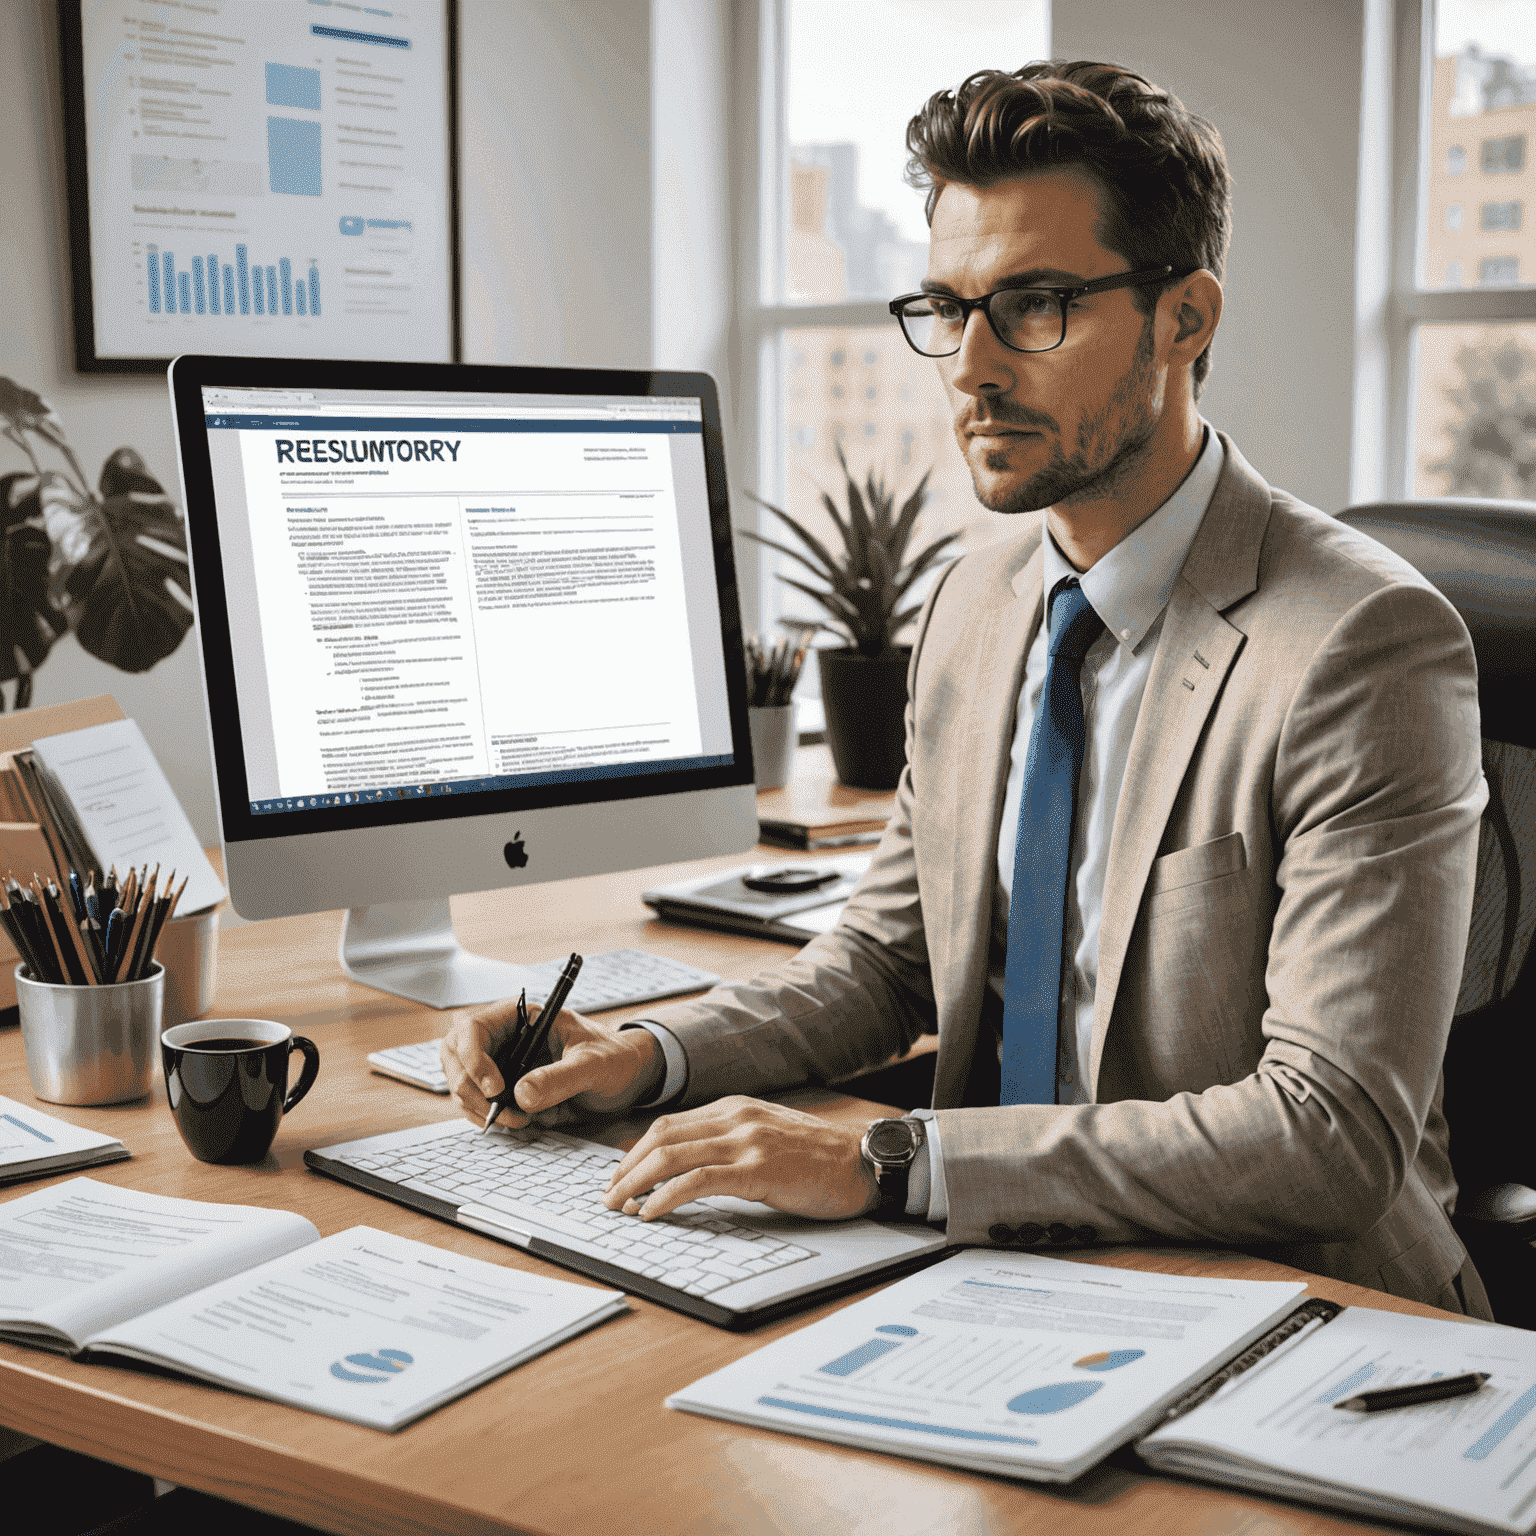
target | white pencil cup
x=773, y=744
x=189, y=951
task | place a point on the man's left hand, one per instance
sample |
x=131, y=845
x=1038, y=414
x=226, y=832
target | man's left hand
x=750, y=1149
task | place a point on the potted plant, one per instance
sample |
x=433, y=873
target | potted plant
x=866, y=594
x=109, y=563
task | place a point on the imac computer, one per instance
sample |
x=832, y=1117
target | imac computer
x=461, y=628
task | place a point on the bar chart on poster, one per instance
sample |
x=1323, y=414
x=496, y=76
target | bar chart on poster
x=269, y=178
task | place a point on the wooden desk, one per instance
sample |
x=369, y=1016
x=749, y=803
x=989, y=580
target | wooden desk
x=574, y=1442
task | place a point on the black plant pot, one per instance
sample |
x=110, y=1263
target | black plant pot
x=866, y=701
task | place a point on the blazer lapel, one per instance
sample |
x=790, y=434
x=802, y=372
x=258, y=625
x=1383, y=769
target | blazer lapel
x=996, y=642
x=1195, y=652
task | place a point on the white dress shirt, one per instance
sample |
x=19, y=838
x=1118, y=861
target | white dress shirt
x=1129, y=589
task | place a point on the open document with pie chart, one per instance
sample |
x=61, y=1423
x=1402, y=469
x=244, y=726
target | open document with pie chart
x=1010, y=1363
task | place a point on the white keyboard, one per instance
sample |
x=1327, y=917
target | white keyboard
x=613, y=979
x=558, y=1182
x=415, y=1064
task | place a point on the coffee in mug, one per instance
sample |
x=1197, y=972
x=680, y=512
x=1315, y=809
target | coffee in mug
x=227, y=1080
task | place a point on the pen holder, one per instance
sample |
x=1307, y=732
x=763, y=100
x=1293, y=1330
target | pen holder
x=773, y=743
x=189, y=951
x=90, y=1045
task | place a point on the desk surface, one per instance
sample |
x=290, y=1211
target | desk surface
x=578, y=1440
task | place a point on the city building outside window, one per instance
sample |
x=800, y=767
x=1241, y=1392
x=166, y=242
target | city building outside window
x=1502, y=215
x=1504, y=157
x=1464, y=306
x=841, y=235
x=1498, y=270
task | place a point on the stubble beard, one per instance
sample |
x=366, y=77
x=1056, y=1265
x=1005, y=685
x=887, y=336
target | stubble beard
x=1110, y=448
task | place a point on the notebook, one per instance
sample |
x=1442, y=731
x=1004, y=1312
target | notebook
x=725, y=901
x=361, y=1325
x=33, y=1144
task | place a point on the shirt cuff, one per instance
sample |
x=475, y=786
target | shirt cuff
x=927, y=1196
x=676, y=1078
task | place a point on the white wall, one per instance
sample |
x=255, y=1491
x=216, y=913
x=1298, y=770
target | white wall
x=555, y=181
x=1281, y=79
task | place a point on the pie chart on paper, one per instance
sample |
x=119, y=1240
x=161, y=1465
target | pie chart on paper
x=1108, y=1359
x=1054, y=1398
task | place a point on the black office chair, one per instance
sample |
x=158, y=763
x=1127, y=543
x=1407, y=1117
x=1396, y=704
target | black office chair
x=1482, y=556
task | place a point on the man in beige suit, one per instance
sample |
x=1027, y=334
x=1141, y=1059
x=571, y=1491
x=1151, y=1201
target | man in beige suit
x=1267, y=877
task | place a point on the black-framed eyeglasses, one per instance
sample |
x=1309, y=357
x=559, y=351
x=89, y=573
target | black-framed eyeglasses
x=1023, y=319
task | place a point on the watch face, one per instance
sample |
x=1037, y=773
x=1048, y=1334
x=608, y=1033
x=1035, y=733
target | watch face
x=891, y=1140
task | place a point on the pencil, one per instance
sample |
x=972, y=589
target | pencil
x=137, y=960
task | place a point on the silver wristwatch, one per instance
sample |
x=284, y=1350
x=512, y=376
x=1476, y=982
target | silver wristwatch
x=890, y=1147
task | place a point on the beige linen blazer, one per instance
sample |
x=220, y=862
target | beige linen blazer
x=1284, y=915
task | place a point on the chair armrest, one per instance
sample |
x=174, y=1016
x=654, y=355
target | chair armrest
x=1509, y=1207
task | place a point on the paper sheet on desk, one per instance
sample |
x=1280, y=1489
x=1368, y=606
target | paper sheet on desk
x=127, y=808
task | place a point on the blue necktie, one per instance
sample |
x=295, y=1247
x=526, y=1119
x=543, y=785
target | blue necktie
x=1042, y=856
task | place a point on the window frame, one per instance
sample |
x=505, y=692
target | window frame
x=1408, y=306
x=766, y=321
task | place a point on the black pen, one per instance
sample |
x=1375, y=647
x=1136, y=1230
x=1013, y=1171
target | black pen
x=1416, y=1392
x=527, y=1044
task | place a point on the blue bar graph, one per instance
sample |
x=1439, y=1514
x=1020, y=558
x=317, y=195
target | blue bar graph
x=210, y=286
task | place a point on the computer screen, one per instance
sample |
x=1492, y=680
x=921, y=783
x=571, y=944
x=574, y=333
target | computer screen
x=460, y=627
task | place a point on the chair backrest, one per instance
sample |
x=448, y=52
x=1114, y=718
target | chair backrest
x=1482, y=556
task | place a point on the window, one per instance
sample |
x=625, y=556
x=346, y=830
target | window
x=1504, y=156
x=840, y=235
x=1463, y=317
x=1502, y=215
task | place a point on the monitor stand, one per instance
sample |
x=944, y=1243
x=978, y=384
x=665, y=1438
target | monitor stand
x=408, y=948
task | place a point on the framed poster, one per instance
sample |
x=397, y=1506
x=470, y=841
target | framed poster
x=272, y=178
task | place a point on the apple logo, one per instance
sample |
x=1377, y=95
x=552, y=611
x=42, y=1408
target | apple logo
x=513, y=853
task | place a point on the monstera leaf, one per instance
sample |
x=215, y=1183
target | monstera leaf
x=29, y=623
x=120, y=564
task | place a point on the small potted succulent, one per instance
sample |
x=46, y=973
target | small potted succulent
x=867, y=596
x=109, y=563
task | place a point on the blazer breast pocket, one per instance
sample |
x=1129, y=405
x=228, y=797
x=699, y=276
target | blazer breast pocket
x=1198, y=865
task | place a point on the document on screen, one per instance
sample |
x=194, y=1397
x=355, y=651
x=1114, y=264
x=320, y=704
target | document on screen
x=462, y=604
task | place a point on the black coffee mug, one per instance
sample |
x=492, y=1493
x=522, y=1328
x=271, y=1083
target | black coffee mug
x=227, y=1080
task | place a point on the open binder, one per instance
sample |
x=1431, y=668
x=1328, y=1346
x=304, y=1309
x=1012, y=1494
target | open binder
x=1026, y=1366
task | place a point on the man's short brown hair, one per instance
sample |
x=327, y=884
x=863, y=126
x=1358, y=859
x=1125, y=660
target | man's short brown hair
x=1162, y=170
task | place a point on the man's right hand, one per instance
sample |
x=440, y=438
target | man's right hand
x=596, y=1071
